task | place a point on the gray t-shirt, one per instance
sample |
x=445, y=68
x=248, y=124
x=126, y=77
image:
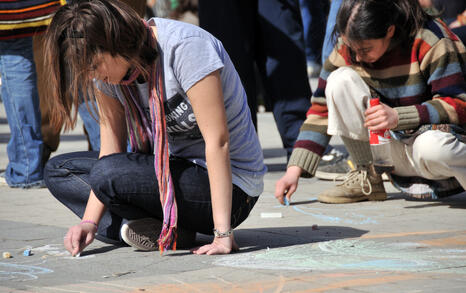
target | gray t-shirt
x=188, y=55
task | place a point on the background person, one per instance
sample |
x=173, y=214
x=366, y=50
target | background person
x=396, y=51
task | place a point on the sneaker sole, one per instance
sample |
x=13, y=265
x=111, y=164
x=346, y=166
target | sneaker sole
x=142, y=234
x=150, y=229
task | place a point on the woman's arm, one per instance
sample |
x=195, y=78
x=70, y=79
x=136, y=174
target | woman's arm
x=206, y=98
x=113, y=140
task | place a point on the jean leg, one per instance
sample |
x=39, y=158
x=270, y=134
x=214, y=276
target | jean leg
x=329, y=41
x=21, y=101
x=67, y=178
x=313, y=18
x=89, y=117
x=127, y=185
x=286, y=79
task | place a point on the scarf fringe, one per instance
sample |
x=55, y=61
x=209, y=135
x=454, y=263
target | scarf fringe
x=167, y=238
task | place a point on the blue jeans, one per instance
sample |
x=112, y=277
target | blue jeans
x=329, y=41
x=313, y=17
x=21, y=101
x=126, y=184
x=91, y=124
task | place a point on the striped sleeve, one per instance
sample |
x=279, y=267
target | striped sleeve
x=26, y=18
x=443, y=66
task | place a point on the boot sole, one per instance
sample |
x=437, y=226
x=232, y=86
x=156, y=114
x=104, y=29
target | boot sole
x=342, y=199
x=338, y=176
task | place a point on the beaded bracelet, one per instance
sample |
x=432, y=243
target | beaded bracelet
x=89, y=222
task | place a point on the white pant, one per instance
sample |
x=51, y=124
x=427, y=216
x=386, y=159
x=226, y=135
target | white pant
x=433, y=155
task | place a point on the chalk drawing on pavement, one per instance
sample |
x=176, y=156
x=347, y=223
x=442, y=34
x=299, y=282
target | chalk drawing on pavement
x=16, y=272
x=350, y=254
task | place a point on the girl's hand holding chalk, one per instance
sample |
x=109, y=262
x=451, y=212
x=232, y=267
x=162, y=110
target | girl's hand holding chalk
x=286, y=186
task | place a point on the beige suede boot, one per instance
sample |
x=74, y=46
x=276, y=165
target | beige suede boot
x=359, y=185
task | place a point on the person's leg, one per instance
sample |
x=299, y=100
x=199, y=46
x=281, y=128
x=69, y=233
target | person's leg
x=313, y=18
x=284, y=66
x=127, y=185
x=329, y=41
x=440, y=155
x=234, y=24
x=90, y=118
x=348, y=97
x=67, y=178
x=21, y=101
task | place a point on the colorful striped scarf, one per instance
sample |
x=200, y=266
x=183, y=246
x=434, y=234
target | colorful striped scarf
x=145, y=136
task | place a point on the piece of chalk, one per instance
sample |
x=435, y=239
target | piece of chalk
x=271, y=215
x=27, y=252
x=6, y=255
x=287, y=202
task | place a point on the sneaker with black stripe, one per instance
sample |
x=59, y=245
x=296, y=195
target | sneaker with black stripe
x=333, y=165
x=143, y=234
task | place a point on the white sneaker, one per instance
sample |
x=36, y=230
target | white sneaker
x=3, y=180
x=143, y=234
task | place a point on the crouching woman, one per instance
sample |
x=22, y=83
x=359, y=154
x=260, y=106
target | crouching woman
x=171, y=91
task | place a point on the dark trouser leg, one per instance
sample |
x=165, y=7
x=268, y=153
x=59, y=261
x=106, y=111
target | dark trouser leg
x=126, y=184
x=67, y=178
x=284, y=66
x=234, y=22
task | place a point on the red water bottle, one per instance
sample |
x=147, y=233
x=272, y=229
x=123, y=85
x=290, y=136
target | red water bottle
x=380, y=147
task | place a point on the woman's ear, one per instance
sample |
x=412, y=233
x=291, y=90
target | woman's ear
x=390, y=31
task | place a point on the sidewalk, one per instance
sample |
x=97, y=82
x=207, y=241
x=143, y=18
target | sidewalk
x=399, y=245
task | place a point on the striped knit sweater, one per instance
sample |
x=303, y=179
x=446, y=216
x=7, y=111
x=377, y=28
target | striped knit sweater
x=424, y=84
x=26, y=18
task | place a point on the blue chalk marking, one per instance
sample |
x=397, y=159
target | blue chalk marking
x=9, y=271
x=318, y=216
x=287, y=203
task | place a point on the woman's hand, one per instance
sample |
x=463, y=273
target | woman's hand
x=224, y=245
x=381, y=117
x=79, y=237
x=288, y=184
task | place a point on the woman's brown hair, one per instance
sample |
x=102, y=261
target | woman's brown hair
x=79, y=32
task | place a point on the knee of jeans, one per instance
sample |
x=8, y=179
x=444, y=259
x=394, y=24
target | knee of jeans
x=102, y=174
x=431, y=146
x=53, y=168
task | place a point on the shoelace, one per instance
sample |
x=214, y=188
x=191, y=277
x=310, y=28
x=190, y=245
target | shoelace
x=354, y=176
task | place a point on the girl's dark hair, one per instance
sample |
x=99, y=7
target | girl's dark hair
x=369, y=19
x=79, y=32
